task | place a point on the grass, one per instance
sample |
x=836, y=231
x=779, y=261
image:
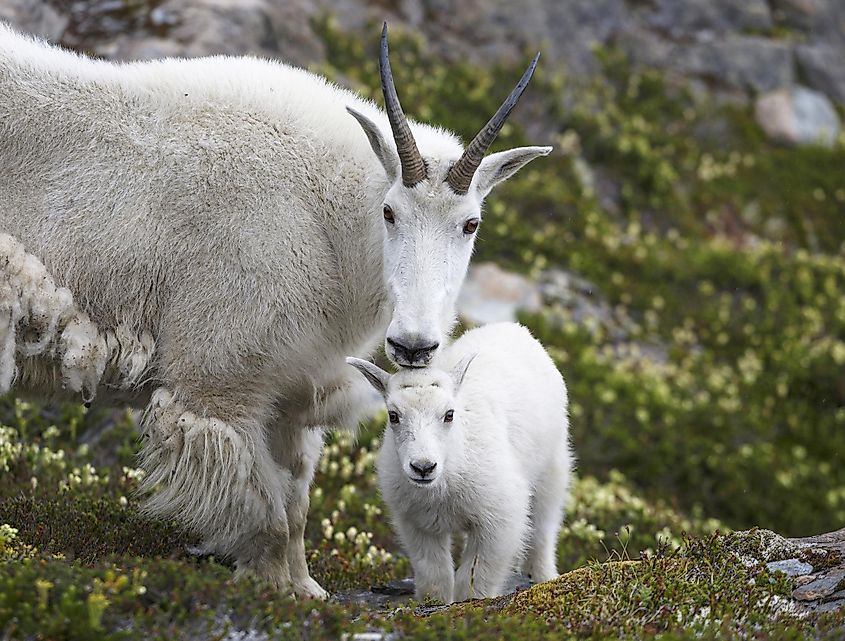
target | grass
x=80, y=561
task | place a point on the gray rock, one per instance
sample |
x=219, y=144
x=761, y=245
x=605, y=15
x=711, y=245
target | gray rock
x=37, y=17
x=822, y=66
x=821, y=588
x=683, y=18
x=816, y=565
x=797, y=14
x=483, y=31
x=492, y=295
x=790, y=567
x=189, y=28
x=743, y=62
x=798, y=116
x=748, y=62
x=583, y=303
x=235, y=27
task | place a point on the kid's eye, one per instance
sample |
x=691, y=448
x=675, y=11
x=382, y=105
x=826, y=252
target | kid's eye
x=388, y=214
x=393, y=416
x=449, y=416
x=470, y=226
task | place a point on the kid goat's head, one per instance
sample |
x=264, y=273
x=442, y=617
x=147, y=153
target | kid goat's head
x=431, y=214
x=424, y=414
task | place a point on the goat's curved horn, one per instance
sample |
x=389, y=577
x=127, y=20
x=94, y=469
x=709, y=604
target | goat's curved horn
x=413, y=166
x=461, y=173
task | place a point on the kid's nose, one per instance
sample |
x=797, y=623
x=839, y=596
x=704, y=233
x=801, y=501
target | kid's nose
x=423, y=468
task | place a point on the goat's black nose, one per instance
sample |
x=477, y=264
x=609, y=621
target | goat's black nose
x=416, y=353
x=423, y=468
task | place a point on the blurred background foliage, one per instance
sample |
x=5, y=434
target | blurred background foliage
x=726, y=254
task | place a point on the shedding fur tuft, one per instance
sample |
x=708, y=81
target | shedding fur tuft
x=40, y=319
x=214, y=477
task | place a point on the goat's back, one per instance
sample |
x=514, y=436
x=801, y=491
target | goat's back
x=515, y=380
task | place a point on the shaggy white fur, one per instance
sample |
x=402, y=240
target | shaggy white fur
x=54, y=331
x=219, y=223
x=476, y=445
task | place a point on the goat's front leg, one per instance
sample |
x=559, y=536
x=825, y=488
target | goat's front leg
x=297, y=451
x=216, y=476
x=490, y=554
x=431, y=559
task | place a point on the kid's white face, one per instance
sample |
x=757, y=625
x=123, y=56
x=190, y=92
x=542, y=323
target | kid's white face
x=426, y=425
x=424, y=413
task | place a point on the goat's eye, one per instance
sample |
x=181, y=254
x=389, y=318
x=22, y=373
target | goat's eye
x=393, y=416
x=449, y=416
x=388, y=214
x=470, y=226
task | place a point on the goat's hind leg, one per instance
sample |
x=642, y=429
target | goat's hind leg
x=547, y=507
x=218, y=479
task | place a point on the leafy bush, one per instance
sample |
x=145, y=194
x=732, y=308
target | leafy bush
x=726, y=395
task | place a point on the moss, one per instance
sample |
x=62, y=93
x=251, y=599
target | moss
x=72, y=570
x=701, y=590
x=88, y=529
x=697, y=585
x=160, y=599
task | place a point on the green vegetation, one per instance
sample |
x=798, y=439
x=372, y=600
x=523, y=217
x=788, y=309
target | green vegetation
x=711, y=400
x=722, y=254
x=81, y=562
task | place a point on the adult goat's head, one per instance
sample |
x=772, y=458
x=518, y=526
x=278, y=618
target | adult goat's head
x=431, y=214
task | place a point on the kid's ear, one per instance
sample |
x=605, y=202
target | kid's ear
x=498, y=167
x=384, y=152
x=373, y=373
x=460, y=370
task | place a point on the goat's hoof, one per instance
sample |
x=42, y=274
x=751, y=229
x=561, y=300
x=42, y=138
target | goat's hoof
x=308, y=588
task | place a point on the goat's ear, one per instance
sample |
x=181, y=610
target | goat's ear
x=384, y=152
x=498, y=167
x=376, y=375
x=460, y=369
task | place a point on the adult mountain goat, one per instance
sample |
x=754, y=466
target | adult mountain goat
x=210, y=238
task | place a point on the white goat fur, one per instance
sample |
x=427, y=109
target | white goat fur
x=503, y=464
x=205, y=238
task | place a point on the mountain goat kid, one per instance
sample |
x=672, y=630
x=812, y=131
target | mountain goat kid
x=476, y=444
x=208, y=239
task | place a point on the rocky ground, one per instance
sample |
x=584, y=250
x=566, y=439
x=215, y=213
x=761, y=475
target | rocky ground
x=682, y=255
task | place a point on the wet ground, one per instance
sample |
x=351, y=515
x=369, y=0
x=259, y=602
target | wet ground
x=399, y=593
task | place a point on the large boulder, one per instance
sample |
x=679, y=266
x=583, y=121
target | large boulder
x=798, y=116
x=492, y=295
x=823, y=68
